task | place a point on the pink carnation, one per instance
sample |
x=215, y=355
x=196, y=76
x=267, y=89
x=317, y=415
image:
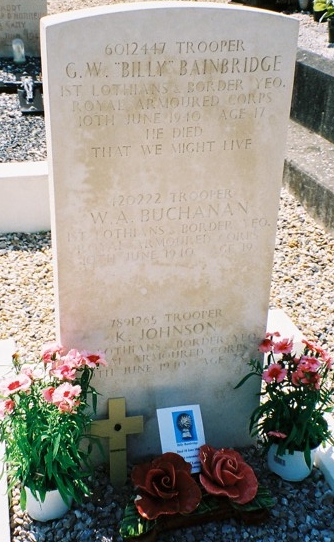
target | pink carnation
x=308, y=364
x=64, y=372
x=276, y=434
x=50, y=351
x=295, y=378
x=311, y=379
x=20, y=382
x=318, y=350
x=284, y=346
x=313, y=347
x=93, y=360
x=328, y=360
x=274, y=372
x=34, y=373
x=266, y=346
x=6, y=407
x=65, y=396
x=73, y=359
x=48, y=394
x=78, y=360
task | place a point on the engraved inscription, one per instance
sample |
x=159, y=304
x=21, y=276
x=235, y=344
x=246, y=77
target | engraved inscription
x=166, y=102
x=164, y=89
x=177, y=226
x=142, y=345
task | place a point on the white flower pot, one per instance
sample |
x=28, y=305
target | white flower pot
x=52, y=508
x=290, y=467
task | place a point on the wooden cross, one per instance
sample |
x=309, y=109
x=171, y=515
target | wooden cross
x=116, y=428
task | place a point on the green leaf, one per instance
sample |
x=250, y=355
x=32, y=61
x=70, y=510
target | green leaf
x=23, y=499
x=94, y=399
x=243, y=380
x=56, y=445
x=133, y=524
x=49, y=463
x=262, y=499
x=208, y=504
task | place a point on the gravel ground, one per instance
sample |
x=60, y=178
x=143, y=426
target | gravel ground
x=302, y=285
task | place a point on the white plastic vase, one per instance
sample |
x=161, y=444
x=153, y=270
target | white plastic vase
x=53, y=507
x=290, y=467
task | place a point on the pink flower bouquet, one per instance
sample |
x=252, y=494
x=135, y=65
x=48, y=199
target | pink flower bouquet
x=44, y=418
x=297, y=392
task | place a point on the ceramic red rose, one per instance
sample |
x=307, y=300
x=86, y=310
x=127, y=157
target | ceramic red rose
x=225, y=473
x=165, y=486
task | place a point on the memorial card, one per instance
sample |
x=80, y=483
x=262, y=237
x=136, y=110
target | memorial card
x=181, y=432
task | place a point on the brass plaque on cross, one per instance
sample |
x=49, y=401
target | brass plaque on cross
x=116, y=428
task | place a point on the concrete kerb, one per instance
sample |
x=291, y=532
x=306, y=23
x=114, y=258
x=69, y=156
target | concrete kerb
x=309, y=173
x=24, y=200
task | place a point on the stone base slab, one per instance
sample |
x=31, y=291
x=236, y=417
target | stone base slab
x=24, y=197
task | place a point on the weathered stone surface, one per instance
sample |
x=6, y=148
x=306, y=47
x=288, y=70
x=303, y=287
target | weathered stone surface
x=166, y=148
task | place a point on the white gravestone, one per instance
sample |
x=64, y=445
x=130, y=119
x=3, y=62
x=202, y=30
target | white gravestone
x=166, y=127
x=20, y=19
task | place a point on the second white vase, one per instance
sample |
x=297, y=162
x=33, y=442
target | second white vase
x=53, y=507
x=290, y=467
